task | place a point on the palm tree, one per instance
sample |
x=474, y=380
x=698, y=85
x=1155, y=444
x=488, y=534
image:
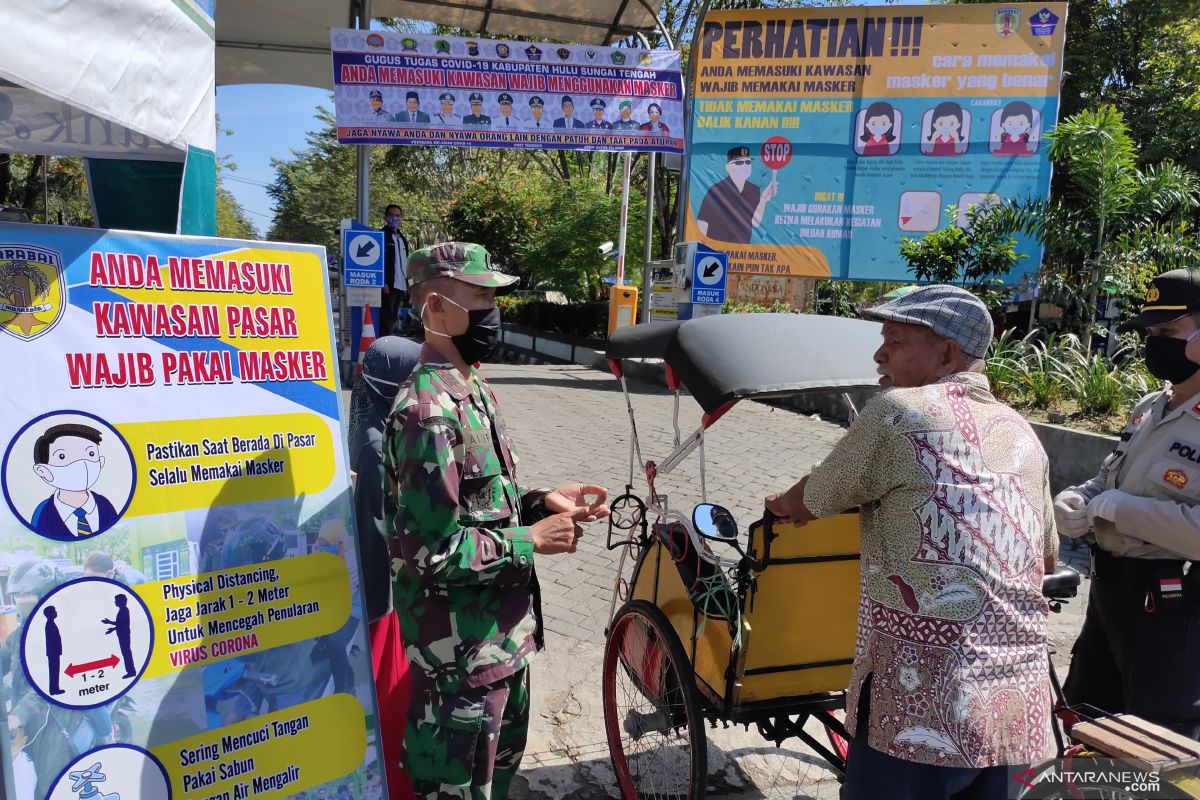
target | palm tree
x=1108, y=224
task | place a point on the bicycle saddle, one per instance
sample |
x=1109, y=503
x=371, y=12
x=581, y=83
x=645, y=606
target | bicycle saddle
x=1062, y=583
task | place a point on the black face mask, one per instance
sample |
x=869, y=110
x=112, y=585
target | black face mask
x=1166, y=358
x=479, y=340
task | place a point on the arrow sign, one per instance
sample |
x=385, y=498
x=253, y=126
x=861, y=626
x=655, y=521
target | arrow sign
x=709, y=272
x=362, y=257
x=78, y=669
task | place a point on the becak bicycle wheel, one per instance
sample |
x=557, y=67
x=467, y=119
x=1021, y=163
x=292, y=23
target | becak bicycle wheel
x=652, y=713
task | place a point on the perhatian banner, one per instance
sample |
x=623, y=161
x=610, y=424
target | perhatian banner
x=182, y=615
x=821, y=137
x=395, y=88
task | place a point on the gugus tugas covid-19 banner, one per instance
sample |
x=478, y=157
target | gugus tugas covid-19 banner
x=180, y=613
x=821, y=137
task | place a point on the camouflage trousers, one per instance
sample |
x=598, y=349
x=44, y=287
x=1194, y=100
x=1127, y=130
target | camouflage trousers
x=467, y=746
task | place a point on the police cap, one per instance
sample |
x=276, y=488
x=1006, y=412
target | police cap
x=505, y=98
x=376, y=94
x=1170, y=296
x=737, y=152
x=536, y=102
x=446, y=97
x=476, y=98
x=598, y=103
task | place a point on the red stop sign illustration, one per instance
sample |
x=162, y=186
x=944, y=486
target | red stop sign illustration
x=776, y=152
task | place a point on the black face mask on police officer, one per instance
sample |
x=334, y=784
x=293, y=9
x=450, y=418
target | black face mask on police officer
x=479, y=340
x=1166, y=358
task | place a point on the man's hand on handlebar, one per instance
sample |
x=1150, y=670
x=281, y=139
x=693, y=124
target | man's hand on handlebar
x=789, y=506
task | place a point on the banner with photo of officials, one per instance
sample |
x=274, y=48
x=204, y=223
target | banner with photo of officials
x=179, y=603
x=396, y=88
x=823, y=136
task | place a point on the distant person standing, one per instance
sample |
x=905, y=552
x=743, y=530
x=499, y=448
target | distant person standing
x=395, y=263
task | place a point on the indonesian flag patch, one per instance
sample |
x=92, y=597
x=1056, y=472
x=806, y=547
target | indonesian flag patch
x=1170, y=585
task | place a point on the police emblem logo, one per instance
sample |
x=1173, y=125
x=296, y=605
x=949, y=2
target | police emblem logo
x=563, y=54
x=1007, y=22
x=32, y=290
x=617, y=57
x=1176, y=477
x=645, y=59
x=502, y=50
x=1153, y=294
x=408, y=44
x=472, y=48
x=442, y=46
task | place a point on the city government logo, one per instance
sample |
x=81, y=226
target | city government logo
x=32, y=290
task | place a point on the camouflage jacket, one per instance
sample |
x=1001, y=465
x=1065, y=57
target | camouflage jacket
x=462, y=559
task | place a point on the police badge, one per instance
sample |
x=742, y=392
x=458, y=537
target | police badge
x=502, y=50
x=472, y=48
x=33, y=293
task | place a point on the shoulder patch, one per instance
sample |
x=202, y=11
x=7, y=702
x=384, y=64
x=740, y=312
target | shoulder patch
x=438, y=424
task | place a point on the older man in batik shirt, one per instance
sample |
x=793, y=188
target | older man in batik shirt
x=950, y=687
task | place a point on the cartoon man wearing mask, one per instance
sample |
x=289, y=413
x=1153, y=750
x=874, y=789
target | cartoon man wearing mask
x=68, y=458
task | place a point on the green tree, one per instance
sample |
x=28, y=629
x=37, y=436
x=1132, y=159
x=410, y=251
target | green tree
x=232, y=221
x=1108, y=221
x=976, y=256
x=1167, y=121
x=497, y=215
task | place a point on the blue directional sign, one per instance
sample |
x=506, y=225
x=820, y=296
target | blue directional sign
x=362, y=258
x=710, y=269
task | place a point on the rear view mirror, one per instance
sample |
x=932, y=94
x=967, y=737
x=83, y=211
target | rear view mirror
x=715, y=522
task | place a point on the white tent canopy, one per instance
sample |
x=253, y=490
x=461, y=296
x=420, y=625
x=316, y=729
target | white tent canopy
x=100, y=79
x=287, y=41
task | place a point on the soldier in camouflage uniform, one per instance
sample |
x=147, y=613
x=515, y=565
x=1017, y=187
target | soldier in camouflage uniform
x=462, y=534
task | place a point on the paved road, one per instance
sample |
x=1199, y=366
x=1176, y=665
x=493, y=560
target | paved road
x=571, y=423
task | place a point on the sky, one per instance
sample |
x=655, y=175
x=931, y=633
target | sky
x=270, y=121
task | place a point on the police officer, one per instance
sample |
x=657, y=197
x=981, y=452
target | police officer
x=537, y=107
x=446, y=116
x=378, y=114
x=598, y=120
x=476, y=117
x=1139, y=649
x=506, y=118
x=462, y=534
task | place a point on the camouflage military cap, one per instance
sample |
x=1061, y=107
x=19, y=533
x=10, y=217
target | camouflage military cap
x=462, y=261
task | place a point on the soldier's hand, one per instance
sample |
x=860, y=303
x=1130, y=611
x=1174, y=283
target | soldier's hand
x=572, y=496
x=558, y=533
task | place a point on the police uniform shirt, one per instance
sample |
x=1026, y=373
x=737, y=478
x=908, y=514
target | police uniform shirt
x=728, y=212
x=1158, y=462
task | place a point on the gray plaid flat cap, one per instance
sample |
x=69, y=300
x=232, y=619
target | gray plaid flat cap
x=949, y=311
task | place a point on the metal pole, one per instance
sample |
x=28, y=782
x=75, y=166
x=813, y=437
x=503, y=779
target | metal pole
x=624, y=222
x=681, y=193
x=648, y=245
x=362, y=182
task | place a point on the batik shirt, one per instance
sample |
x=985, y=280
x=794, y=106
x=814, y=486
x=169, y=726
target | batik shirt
x=956, y=524
x=462, y=560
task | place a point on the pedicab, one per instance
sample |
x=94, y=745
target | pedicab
x=766, y=638
x=756, y=633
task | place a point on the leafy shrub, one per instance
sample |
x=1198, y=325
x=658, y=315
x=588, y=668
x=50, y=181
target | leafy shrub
x=777, y=307
x=586, y=320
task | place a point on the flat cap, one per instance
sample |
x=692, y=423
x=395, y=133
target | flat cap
x=463, y=261
x=948, y=311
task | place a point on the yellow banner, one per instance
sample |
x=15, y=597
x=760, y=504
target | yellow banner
x=275, y=755
x=201, y=619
